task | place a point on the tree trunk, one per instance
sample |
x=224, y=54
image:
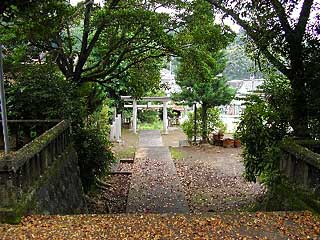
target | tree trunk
x=204, y=116
x=299, y=105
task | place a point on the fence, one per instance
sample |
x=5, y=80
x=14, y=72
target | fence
x=22, y=132
x=19, y=169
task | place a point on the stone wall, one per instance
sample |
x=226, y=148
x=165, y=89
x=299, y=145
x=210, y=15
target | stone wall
x=42, y=177
x=301, y=165
x=60, y=189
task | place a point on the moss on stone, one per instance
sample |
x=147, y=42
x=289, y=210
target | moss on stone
x=14, y=160
x=28, y=201
x=301, y=152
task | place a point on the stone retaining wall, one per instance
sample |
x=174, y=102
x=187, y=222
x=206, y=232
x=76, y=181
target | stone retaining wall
x=301, y=165
x=42, y=177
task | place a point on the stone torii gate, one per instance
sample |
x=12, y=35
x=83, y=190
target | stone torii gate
x=135, y=107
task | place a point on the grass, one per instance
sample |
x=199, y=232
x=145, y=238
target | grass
x=176, y=154
x=128, y=147
x=125, y=153
x=157, y=125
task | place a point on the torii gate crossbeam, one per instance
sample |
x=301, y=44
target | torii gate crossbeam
x=164, y=100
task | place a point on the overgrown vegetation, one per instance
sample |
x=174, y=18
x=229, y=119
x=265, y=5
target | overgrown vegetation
x=63, y=61
x=290, y=43
x=264, y=125
x=149, y=120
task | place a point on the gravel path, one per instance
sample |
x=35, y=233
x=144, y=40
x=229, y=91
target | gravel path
x=155, y=186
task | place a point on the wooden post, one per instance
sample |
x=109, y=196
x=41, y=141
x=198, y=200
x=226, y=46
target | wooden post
x=195, y=123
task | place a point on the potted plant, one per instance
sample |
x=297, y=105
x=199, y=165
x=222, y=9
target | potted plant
x=237, y=142
x=228, y=143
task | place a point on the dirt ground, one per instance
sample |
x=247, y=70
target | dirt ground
x=111, y=199
x=212, y=179
x=172, y=139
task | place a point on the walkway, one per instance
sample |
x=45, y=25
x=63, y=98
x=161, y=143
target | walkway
x=155, y=186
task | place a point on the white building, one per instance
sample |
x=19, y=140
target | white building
x=168, y=80
x=230, y=114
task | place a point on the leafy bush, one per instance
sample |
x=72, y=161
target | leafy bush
x=214, y=123
x=188, y=126
x=40, y=92
x=94, y=153
x=264, y=123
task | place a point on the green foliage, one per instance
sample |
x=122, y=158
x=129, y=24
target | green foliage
x=264, y=124
x=41, y=92
x=96, y=43
x=157, y=125
x=202, y=62
x=287, y=34
x=199, y=81
x=148, y=116
x=214, y=123
x=176, y=154
x=94, y=152
x=239, y=64
x=188, y=127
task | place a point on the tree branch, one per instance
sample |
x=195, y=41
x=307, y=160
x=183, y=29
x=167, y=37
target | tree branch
x=86, y=30
x=281, y=13
x=257, y=39
x=303, y=19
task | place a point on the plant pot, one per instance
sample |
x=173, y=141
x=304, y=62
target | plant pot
x=237, y=143
x=228, y=143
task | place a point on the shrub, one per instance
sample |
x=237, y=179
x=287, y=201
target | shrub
x=40, y=92
x=214, y=123
x=148, y=116
x=94, y=153
x=264, y=123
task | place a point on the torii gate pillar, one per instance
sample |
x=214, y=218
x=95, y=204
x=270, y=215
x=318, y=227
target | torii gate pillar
x=165, y=117
x=134, y=116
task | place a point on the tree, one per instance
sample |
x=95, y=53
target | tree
x=199, y=77
x=202, y=62
x=92, y=43
x=288, y=41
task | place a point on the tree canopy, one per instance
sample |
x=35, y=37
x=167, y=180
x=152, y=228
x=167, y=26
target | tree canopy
x=286, y=33
x=89, y=42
